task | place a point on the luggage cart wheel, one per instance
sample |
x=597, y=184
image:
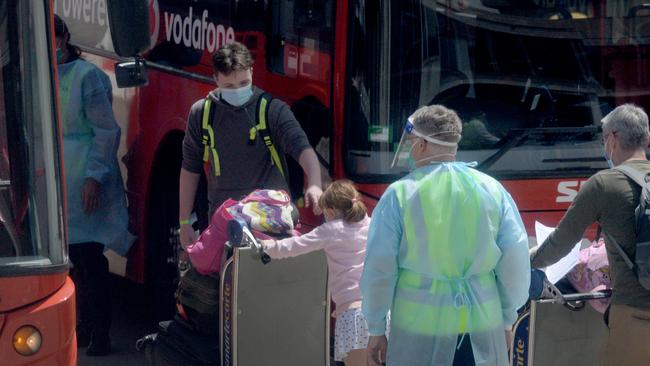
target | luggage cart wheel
x=265, y=258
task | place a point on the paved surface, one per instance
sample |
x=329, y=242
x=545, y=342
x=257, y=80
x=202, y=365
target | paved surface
x=130, y=322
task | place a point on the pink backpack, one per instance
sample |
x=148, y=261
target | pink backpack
x=264, y=210
x=592, y=273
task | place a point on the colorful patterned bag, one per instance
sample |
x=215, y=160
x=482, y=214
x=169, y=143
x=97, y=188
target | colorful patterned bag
x=592, y=273
x=265, y=211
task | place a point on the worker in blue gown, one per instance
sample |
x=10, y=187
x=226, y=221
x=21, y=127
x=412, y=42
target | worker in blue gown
x=96, y=213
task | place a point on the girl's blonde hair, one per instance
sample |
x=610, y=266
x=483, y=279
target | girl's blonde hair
x=342, y=196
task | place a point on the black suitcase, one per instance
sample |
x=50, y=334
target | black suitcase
x=177, y=344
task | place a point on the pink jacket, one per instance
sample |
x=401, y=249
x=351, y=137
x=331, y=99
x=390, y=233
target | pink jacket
x=345, y=247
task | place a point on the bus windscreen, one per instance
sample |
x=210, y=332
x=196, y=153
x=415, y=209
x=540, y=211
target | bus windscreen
x=531, y=82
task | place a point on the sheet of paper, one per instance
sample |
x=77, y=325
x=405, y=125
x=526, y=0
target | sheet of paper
x=557, y=271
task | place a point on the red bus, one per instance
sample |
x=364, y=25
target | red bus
x=37, y=308
x=531, y=79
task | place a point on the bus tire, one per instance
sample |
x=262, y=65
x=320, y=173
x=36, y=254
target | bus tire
x=161, y=258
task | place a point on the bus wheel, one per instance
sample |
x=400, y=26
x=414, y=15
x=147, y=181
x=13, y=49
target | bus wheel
x=161, y=258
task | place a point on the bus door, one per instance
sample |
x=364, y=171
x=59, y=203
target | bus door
x=37, y=311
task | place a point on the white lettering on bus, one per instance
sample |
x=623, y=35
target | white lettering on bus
x=88, y=11
x=198, y=33
x=568, y=190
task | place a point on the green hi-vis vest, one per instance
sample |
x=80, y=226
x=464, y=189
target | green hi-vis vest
x=262, y=116
x=446, y=283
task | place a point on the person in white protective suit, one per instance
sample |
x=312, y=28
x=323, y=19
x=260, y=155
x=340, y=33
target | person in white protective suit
x=96, y=211
x=447, y=254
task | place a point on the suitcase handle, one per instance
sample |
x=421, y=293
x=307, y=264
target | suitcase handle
x=551, y=294
x=240, y=236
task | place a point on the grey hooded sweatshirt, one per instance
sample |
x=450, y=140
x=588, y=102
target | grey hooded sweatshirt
x=244, y=166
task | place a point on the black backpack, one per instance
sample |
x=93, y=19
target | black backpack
x=641, y=264
x=176, y=343
x=199, y=296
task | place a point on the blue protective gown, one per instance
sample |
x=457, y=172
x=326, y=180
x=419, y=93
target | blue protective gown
x=447, y=254
x=91, y=138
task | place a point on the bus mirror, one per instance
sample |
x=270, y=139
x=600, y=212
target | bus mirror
x=131, y=73
x=129, y=25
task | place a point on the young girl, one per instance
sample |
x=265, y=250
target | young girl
x=343, y=239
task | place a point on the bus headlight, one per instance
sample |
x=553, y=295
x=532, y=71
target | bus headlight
x=27, y=340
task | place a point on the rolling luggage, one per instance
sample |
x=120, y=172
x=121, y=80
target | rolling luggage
x=272, y=312
x=177, y=344
x=557, y=329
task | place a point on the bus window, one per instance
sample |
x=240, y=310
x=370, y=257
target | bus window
x=299, y=30
x=530, y=80
x=363, y=78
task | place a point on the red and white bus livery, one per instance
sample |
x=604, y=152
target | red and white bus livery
x=530, y=79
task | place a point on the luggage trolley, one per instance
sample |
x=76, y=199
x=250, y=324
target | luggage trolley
x=272, y=312
x=557, y=329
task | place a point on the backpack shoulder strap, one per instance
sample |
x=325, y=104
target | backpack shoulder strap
x=263, y=106
x=626, y=258
x=208, y=135
x=633, y=174
x=640, y=179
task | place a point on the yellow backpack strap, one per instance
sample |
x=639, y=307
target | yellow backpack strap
x=262, y=116
x=208, y=137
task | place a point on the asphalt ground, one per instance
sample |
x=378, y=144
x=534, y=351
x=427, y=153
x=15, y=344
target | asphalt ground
x=131, y=321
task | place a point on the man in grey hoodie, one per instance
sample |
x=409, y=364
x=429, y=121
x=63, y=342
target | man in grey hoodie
x=240, y=161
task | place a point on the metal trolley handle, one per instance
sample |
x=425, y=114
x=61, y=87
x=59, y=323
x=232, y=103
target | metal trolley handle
x=552, y=294
x=240, y=236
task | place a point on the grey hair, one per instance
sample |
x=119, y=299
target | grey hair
x=437, y=118
x=630, y=124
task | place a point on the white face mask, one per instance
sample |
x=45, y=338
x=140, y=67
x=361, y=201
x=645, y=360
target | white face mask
x=237, y=97
x=608, y=158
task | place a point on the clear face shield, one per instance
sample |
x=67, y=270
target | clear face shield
x=409, y=137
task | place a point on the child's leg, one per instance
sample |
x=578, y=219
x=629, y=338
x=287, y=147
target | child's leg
x=356, y=357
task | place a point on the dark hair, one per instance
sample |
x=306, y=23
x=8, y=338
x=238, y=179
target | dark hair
x=232, y=57
x=342, y=196
x=61, y=30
